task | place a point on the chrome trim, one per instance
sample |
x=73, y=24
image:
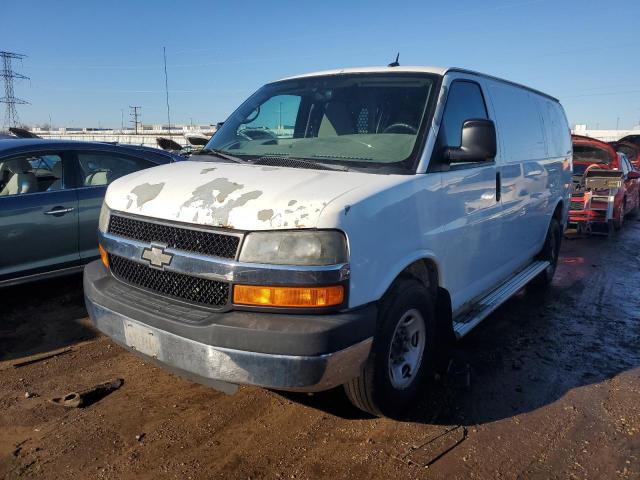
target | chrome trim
x=226, y=270
x=60, y=211
x=286, y=372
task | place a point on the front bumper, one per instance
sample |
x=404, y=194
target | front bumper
x=289, y=352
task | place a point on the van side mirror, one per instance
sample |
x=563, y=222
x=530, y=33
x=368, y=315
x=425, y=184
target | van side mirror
x=478, y=142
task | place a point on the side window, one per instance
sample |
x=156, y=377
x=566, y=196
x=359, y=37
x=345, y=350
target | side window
x=103, y=168
x=31, y=173
x=519, y=120
x=624, y=164
x=464, y=102
x=556, y=129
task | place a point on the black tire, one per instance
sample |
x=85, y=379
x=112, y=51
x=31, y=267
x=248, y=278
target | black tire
x=617, y=224
x=374, y=391
x=550, y=252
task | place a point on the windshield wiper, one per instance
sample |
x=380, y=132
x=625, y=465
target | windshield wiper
x=221, y=154
x=296, y=162
x=328, y=166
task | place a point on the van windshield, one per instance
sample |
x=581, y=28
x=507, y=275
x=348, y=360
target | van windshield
x=356, y=120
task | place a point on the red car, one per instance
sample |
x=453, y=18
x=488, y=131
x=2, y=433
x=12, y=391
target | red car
x=605, y=186
x=630, y=149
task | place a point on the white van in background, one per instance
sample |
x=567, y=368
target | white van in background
x=339, y=229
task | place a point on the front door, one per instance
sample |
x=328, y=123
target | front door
x=38, y=215
x=471, y=207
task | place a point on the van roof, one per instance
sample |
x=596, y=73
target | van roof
x=414, y=69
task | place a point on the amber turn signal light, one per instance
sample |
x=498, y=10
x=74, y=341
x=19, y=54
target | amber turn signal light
x=103, y=256
x=309, y=297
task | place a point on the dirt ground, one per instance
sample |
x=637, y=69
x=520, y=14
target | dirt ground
x=547, y=387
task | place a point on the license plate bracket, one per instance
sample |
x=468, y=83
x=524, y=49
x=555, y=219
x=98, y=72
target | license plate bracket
x=141, y=338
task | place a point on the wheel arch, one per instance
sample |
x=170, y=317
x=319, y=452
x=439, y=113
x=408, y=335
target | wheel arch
x=427, y=271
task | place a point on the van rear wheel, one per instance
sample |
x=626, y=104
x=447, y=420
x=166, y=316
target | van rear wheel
x=550, y=252
x=402, y=354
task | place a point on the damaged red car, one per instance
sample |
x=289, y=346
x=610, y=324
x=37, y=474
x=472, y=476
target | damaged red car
x=630, y=149
x=605, y=187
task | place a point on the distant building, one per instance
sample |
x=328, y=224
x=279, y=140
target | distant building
x=604, y=135
x=146, y=135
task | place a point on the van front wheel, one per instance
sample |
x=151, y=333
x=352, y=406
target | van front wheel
x=402, y=354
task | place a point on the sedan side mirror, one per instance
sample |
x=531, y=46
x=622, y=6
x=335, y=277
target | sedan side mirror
x=633, y=175
x=478, y=142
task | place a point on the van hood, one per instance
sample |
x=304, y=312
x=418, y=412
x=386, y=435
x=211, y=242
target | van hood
x=239, y=196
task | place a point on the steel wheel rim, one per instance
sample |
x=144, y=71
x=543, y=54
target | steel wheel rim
x=407, y=349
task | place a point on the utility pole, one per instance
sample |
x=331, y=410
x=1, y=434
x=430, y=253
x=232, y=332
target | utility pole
x=618, y=123
x=121, y=120
x=135, y=114
x=166, y=88
x=8, y=75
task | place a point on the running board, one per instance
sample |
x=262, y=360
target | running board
x=497, y=297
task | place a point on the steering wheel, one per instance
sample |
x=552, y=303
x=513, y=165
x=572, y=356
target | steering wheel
x=257, y=134
x=399, y=127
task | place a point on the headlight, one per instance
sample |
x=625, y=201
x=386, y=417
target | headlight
x=103, y=221
x=302, y=247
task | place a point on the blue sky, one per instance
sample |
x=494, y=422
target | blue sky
x=88, y=60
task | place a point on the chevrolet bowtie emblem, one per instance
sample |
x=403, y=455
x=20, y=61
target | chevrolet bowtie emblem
x=156, y=256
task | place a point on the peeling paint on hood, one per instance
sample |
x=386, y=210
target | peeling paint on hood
x=241, y=196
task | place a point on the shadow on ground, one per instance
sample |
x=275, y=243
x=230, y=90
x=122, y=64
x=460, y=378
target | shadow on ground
x=42, y=316
x=538, y=345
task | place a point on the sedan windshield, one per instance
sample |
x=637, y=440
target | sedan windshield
x=361, y=120
x=590, y=154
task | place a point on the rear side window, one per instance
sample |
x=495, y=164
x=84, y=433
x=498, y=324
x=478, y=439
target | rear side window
x=556, y=129
x=519, y=123
x=103, y=168
x=31, y=173
x=464, y=102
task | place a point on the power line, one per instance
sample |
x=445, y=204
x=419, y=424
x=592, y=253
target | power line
x=8, y=75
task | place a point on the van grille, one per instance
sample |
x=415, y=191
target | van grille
x=177, y=285
x=190, y=240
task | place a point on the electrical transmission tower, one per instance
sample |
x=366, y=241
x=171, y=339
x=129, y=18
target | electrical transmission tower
x=135, y=115
x=8, y=75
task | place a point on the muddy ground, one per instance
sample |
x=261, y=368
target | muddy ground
x=547, y=387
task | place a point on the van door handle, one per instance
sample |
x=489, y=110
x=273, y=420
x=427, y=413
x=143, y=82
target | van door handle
x=59, y=211
x=498, y=186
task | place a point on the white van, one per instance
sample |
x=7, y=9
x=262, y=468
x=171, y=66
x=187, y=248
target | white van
x=339, y=229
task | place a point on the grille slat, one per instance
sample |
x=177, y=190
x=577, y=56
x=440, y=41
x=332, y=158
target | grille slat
x=177, y=285
x=198, y=241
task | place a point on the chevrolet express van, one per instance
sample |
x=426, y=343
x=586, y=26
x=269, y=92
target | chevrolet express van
x=341, y=228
